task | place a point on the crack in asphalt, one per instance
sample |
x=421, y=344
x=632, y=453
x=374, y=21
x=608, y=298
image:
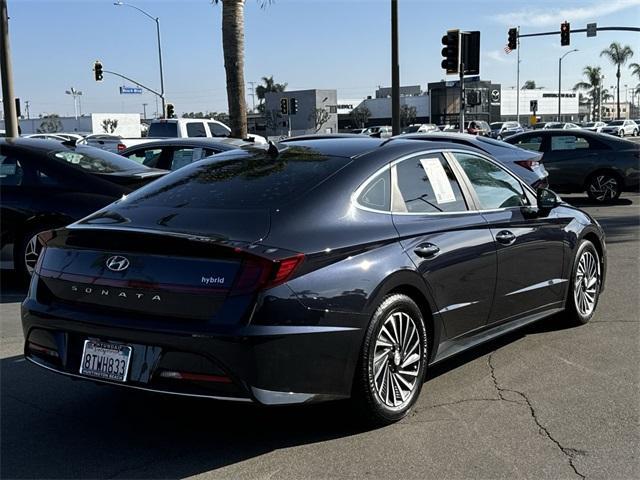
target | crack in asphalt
x=570, y=453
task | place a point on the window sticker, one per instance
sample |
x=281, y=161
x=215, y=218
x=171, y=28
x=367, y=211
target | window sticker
x=438, y=180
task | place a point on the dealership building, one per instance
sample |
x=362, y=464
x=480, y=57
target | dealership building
x=547, y=103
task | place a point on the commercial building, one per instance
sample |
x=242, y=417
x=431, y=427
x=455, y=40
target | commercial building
x=547, y=103
x=316, y=112
x=123, y=124
x=445, y=101
x=627, y=111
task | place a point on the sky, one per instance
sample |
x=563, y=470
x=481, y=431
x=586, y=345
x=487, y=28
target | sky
x=307, y=43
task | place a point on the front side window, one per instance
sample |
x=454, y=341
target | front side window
x=218, y=130
x=147, y=156
x=426, y=184
x=196, y=129
x=494, y=187
x=185, y=156
x=11, y=172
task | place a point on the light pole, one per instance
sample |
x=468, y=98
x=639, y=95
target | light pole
x=157, y=20
x=600, y=98
x=560, y=82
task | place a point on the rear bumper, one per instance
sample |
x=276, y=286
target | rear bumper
x=269, y=365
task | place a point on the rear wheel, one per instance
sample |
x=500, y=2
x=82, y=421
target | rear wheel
x=27, y=252
x=604, y=187
x=392, y=362
x=584, y=290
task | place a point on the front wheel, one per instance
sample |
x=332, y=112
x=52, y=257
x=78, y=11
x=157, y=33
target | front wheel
x=635, y=132
x=392, y=362
x=584, y=290
x=604, y=187
x=621, y=133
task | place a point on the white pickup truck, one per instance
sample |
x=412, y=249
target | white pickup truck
x=169, y=128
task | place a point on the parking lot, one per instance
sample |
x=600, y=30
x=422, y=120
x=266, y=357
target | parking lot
x=545, y=402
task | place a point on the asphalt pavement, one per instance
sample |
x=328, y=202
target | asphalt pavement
x=547, y=402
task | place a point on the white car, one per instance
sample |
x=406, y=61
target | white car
x=621, y=128
x=421, y=128
x=379, y=131
x=560, y=126
x=594, y=126
x=193, y=128
x=61, y=136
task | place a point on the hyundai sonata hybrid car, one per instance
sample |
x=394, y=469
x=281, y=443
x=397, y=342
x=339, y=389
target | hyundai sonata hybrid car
x=315, y=270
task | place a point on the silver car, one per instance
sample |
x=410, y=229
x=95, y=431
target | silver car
x=621, y=128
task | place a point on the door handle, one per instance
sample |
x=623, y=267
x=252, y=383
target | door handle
x=426, y=250
x=505, y=237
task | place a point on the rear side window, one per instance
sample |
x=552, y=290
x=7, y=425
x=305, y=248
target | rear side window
x=377, y=193
x=240, y=179
x=163, y=129
x=426, y=184
x=530, y=143
x=568, y=142
x=186, y=155
x=196, y=129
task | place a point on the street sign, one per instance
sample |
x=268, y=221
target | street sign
x=130, y=90
x=533, y=120
x=592, y=29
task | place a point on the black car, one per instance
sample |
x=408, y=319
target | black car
x=174, y=153
x=579, y=160
x=48, y=184
x=323, y=269
x=524, y=163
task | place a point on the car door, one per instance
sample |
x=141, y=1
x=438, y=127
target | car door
x=529, y=243
x=447, y=240
x=568, y=158
x=15, y=205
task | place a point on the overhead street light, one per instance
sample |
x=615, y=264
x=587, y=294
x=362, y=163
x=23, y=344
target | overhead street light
x=76, y=94
x=157, y=20
x=560, y=82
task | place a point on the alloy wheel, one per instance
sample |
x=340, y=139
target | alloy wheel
x=603, y=188
x=585, y=287
x=32, y=253
x=397, y=360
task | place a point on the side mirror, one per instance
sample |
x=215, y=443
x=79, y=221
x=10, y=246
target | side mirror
x=547, y=199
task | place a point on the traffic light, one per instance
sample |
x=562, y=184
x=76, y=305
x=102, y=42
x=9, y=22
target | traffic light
x=533, y=106
x=451, y=51
x=171, y=111
x=97, y=70
x=470, y=52
x=294, y=106
x=474, y=97
x=513, y=39
x=565, y=34
x=284, y=106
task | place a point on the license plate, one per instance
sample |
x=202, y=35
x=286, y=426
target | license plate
x=108, y=361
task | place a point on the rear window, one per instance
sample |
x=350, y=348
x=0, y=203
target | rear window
x=163, y=129
x=95, y=160
x=240, y=179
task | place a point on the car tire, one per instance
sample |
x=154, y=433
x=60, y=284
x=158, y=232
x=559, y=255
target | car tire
x=26, y=252
x=392, y=363
x=635, y=132
x=604, y=187
x=499, y=137
x=584, y=285
x=621, y=133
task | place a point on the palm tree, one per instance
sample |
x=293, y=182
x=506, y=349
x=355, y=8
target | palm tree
x=635, y=69
x=529, y=85
x=618, y=56
x=269, y=86
x=233, y=47
x=592, y=85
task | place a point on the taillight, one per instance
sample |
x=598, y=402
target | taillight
x=121, y=147
x=528, y=164
x=259, y=273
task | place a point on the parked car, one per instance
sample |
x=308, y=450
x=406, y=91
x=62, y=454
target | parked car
x=621, y=128
x=502, y=130
x=538, y=125
x=579, y=161
x=379, y=131
x=174, y=153
x=420, y=128
x=560, y=126
x=358, y=131
x=111, y=143
x=478, y=127
x=326, y=269
x=524, y=163
x=60, y=136
x=593, y=126
x=48, y=184
x=193, y=127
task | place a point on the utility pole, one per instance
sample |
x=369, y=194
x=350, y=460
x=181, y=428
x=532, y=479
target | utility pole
x=9, y=103
x=518, y=80
x=26, y=108
x=462, y=96
x=560, y=82
x=395, y=70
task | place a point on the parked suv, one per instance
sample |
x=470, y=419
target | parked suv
x=502, y=130
x=621, y=128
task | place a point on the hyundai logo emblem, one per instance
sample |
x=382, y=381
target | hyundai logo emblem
x=117, y=263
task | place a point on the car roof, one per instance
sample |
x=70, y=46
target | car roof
x=608, y=139
x=219, y=142
x=41, y=145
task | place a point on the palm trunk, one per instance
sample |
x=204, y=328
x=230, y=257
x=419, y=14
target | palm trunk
x=618, y=92
x=233, y=46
